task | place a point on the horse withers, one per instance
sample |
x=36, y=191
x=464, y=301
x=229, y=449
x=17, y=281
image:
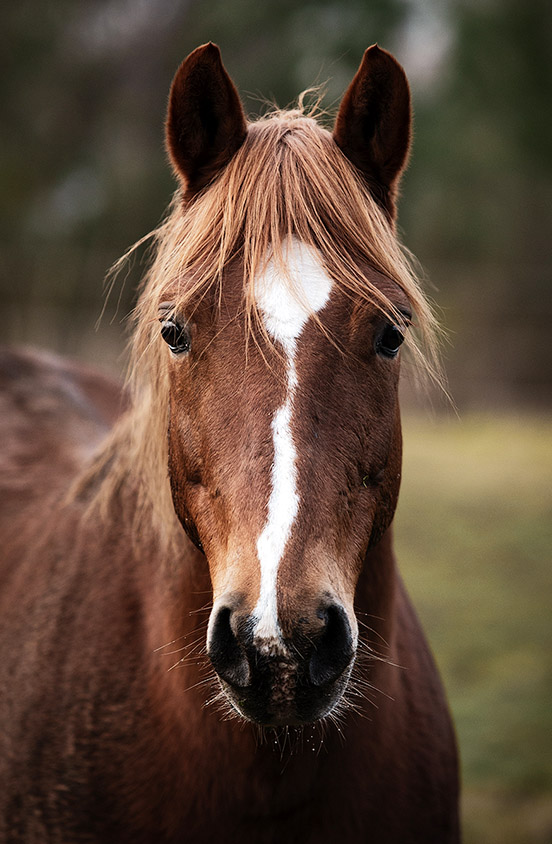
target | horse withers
x=204, y=634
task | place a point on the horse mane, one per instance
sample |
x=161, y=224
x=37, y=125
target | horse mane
x=289, y=178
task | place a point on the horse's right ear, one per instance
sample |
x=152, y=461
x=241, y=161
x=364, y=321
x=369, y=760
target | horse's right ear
x=205, y=119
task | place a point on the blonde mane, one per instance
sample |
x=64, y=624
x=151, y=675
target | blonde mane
x=288, y=178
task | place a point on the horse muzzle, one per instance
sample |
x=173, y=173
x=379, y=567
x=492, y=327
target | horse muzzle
x=296, y=679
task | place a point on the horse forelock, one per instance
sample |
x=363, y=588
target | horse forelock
x=288, y=180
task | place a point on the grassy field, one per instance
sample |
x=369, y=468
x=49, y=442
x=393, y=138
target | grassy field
x=474, y=541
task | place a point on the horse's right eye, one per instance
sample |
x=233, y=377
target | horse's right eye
x=176, y=336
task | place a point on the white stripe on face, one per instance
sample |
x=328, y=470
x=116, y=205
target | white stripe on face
x=285, y=313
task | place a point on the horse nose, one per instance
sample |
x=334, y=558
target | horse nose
x=240, y=658
x=333, y=649
x=225, y=651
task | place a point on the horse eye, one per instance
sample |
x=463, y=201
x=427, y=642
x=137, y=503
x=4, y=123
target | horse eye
x=176, y=336
x=389, y=341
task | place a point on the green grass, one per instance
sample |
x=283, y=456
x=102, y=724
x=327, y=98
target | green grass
x=474, y=539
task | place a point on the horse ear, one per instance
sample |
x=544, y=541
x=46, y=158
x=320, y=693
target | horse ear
x=373, y=124
x=205, y=119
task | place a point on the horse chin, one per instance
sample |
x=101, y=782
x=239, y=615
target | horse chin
x=287, y=702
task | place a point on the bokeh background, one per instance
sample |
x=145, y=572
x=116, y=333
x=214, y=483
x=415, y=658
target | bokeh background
x=83, y=175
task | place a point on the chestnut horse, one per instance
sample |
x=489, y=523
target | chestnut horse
x=233, y=520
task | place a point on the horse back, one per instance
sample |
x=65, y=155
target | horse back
x=53, y=414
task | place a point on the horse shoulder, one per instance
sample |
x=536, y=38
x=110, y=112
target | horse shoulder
x=430, y=748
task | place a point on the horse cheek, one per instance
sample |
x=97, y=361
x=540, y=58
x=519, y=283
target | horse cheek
x=180, y=474
x=388, y=494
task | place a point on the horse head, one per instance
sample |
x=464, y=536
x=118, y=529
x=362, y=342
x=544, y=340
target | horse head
x=281, y=336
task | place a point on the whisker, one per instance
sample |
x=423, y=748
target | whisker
x=160, y=648
x=203, y=682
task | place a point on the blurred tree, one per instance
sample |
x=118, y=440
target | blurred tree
x=479, y=198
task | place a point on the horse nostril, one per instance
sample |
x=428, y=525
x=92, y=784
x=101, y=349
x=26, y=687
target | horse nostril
x=225, y=652
x=333, y=650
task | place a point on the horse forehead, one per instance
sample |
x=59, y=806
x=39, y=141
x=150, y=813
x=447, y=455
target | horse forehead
x=288, y=295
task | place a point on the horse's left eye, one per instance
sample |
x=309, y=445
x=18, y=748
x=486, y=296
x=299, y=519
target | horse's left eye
x=176, y=336
x=389, y=341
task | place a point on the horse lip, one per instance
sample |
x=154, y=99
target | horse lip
x=286, y=700
x=345, y=672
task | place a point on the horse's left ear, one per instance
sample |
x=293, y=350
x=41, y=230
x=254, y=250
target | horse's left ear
x=373, y=124
x=205, y=120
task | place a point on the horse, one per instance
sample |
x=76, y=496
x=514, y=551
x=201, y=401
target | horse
x=204, y=632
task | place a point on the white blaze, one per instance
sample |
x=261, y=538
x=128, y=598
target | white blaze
x=285, y=313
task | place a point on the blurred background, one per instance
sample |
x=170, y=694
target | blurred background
x=83, y=175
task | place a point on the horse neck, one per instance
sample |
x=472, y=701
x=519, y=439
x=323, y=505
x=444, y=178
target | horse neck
x=375, y=594
x=177, y=597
